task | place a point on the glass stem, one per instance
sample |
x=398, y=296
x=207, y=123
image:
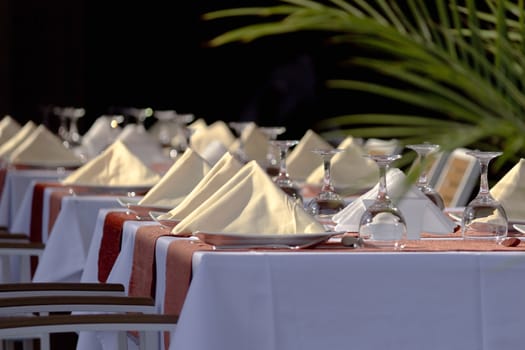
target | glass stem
x=484, y=183
x=422, y=181
x=327, y=179
x=283, y=172
x=381, y=192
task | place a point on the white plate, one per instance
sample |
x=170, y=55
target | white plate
x=129, y=191
x=168, y=223
x=519, y=227
x=142, y=211
x=246, y=241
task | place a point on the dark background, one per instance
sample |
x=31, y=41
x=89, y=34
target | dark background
x=103, y=55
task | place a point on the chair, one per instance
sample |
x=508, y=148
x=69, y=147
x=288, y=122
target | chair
x=149, y=327
x=97, y=305
x=11, y=290
x=456, y=180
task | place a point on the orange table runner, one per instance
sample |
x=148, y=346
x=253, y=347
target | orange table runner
x=143, y=273
x=110, y=243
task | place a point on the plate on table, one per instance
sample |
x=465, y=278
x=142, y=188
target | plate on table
x=255, y=240
x=143, y=211
x=129, y=191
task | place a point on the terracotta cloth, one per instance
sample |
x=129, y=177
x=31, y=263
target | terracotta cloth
x=110, y=243
x=143, y=273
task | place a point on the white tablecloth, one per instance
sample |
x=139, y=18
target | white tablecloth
x=67, y=247
x=302, y=301
x=18, y=188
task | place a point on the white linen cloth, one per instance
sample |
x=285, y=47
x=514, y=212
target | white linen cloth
x=69, y=240
x=342, y=300
x=116, y=166
x=248, y=203
x=43, y=148
x=178, y=181
x=221, y=173
x=254, y=142
x=351, y=171
x=421, y=214
x=510, y=191
x=301, y=161
x=8, y=128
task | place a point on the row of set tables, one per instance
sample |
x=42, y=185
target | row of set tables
x=440, y=292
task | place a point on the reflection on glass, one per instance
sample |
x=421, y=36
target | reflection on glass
x=484, y=217
x=328, y=202
x=423, y=151
x=282, y=179
x=382, y=222
x=272, y=159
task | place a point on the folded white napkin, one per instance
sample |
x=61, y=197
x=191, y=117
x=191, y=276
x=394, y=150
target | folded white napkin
x=221, y=173
x=213, y=151
x=10, y=145
x=217, y=131
x=510, y=191
x=351, y=172
x=8, y=128
x=43, y=148
x=178, y=181
x=379, y=146
x=255, y=143
x=249, y=202
x=301, y=161
x=142, y=144
x=102, y=133
x=116, y=166
x=421, y=214
x=198, y=124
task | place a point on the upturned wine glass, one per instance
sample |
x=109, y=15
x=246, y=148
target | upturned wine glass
x=424, y=151
x=283, y=179
x=272, y=161
x=173, y=131
x=140, y=115
x=327, y=202
x=484, y=217
x=382, y=223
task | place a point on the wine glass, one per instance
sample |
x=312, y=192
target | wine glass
x=423, y=151
x=239, y=127
x=173, y=133
x=282, y=179
x=327, y=202
x=382, y=223
x=140, y=114
x=74, y=114
x=484, y=217
x=272, y=161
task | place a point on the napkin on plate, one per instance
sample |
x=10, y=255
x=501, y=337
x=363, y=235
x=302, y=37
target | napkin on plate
x=8, y=128
x=301, y=161
x=100, y=135
x=421, y=214
x=10, y=145
x=142, y=144
x=217, y=131
x=43, y=148
x=116, y=166
x=510, y=191
x=221, y=172
x=351, y=172
x=178, y=181
x=249, y=202
x=213, y=152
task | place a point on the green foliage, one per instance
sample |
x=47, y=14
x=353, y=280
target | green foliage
x=460, y=63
